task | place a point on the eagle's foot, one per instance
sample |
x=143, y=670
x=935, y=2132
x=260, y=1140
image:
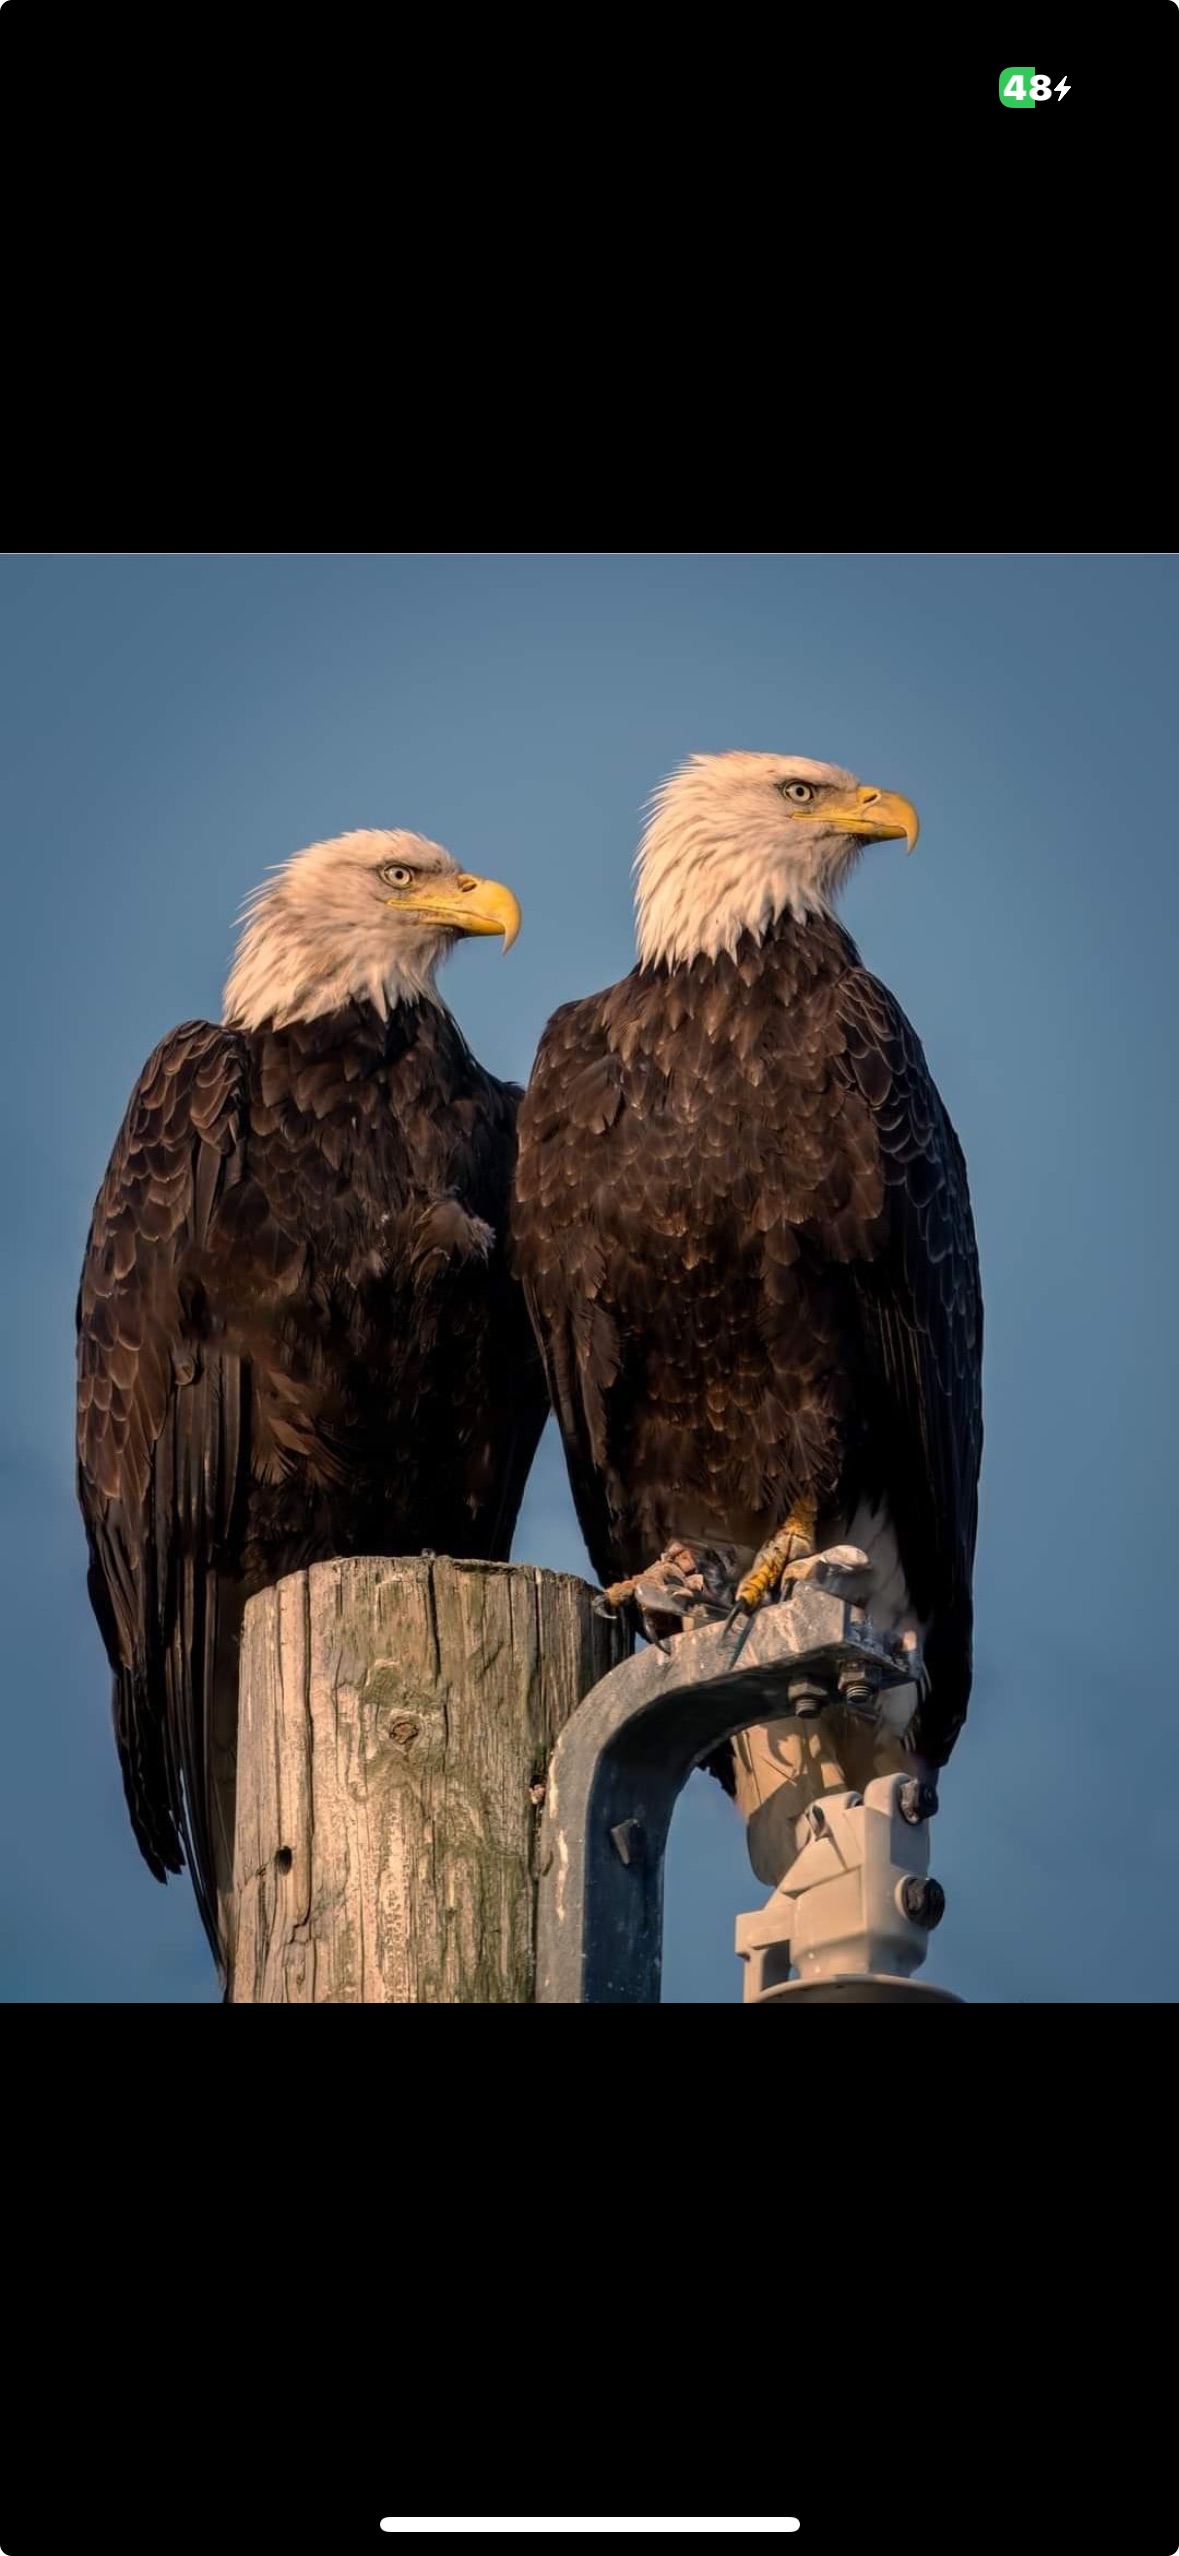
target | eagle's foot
x=668, y=1585
x=687, y=1584
x=838, y=1562
x=611, y=1601
x=789, y=1556
x=782, y=1556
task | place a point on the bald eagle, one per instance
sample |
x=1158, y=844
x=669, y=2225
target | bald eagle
x=297, y=1332
x=744, y=1230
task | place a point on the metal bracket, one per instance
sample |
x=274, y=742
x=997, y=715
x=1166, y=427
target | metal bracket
x=627, y=1752
x=854, y=1913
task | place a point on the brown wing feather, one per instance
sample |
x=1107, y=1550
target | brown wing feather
x=573, y=1095
x=918, y=1300
x=161, y=1439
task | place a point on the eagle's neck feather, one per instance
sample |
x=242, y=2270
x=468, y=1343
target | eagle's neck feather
x=283, y=972
x=699, y=891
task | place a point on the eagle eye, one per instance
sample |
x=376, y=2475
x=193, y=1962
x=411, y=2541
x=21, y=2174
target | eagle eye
x=396, y=875
x=799, y=791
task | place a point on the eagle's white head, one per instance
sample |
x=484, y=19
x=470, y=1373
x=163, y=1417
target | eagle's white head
x=366, y=917
x=736, y=840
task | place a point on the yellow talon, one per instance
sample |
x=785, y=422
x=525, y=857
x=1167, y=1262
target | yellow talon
x=791, y=1543
x=620, y=1591
x=765, y=1574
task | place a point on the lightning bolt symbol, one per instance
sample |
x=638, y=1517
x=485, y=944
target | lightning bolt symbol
x=1062, y=88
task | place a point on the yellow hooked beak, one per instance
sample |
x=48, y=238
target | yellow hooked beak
x=463, y=904
x=877, y=813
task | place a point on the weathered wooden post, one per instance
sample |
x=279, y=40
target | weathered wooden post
x=396, y=1720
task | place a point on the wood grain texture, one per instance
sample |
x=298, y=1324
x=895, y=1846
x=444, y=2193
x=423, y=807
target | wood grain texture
x=395, y=1718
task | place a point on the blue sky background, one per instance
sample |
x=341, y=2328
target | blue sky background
x=175, y=722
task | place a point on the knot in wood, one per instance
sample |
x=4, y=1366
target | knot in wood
x=405, y=1720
